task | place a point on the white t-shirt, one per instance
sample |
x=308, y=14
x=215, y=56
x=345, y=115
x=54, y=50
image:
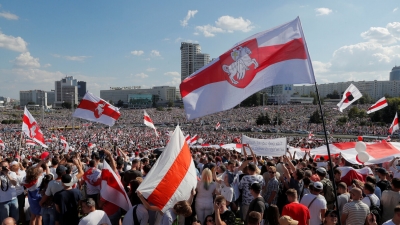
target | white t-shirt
x=374, y=199
x=389, y=222
x=227, y=192
x=20, y=178
x=203, y=195
x=315, y=208
x=97, y=217
x=141, y=213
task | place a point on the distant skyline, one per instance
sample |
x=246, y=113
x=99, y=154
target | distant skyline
x=136, y=43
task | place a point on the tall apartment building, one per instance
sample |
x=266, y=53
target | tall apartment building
x=395, y=73
x=192, y=59
x=37, y=97
x=66, y=90
x=81, y=89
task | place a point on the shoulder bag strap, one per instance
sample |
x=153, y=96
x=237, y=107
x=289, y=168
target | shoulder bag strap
x=312, y=202
x=372, y=203
x=135, y=219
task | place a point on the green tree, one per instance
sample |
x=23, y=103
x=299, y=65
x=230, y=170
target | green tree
x=353, y=112
x=253, y=100
x=66, y=105
x=155, y=99
x=170, y=103
x=334, y=95
x=277, y=120
x=315, y=117
x=263, y=119
x=386, y=114
x=120, y=103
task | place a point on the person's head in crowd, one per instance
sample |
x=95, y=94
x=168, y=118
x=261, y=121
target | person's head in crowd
x=96, y=156
x=395, y=184
x=134, y=184
x=25, y=163
x=88, y=205
x=255, y=189
x=382, y=173
x=9, y=221
x=338, y=174
x=145, y=161
x=321, y=172
x=298, y=174
x=307, y=173
x=55, y=162
x=141, y=155
x=221, y=169
x=61, y=170
x=369, y=188
x=356, y=194
x=32, y=174
x=272, y=172
x=231, y=165
x=183, y=208
x=135, y=164
x=287, y=220
x=67, y=181
x=316, y=188
x=371, y=179
x=254, y=218
x=209, y=220
x=273, y=214
x=251, y=168
x=306, y=181
x=146, y=169
x=14, y=166
x=206, y=178
x=210, y=159
x=291, y=195
x=302, y=165
x=331, y=217
x=92, y=163
x=221, y=202
x=341, y=187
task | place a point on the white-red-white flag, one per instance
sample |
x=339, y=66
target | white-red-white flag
x=275, y=56
x=187, y=139
x=388, y=138
x=30, y=142
x=31, y=128
x=91, y=145
x=112, y=189
x=173, y=176
x=95, y=109
x=64, y=143
x=148, y=122
x=351, y=95
x=310, y=135
x=395, y=125
x=380, y=104
x=2, y=144
x=194, y=139
x=217, y=126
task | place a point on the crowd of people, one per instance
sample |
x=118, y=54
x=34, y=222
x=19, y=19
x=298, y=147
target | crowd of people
x=61, y=184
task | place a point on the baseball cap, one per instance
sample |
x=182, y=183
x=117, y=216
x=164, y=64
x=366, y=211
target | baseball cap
x=382, y=170
x=321, y=170
x=66, y=179
x=13, y=163
x=318, y=186
x=255, y=186
x=44, y=155
x=61, y=169
x=287, y=220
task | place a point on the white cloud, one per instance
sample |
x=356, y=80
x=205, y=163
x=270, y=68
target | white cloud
x=137, y=52
x=189, y=15
x=231, y=24
x=320, y=67
x=13, y=43
x=394, y=29
x=225, y=24
x=379, y=35
x=8, y=16
x=155, y=53
x=174, y=74
x=141, y=75
x=395, y=9
x=174, y=82
x=46, y=65
x=26, y=60
x=72, y=58
x=179, y=39
x=150, y=69
x=323, y=11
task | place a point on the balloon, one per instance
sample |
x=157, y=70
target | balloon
x=360, y=146
x=362, y=157
x=360, y=138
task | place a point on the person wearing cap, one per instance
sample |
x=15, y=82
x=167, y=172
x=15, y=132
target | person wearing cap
x=383, y=183
x=331, y=217
x=355, y=212
x=8, y=195
x=258, y=203
x=66, y=201
x=315, y=203
x=287, y=220
x=390, y=199
x=93, y=216
x=295, y=210
x=328, y=187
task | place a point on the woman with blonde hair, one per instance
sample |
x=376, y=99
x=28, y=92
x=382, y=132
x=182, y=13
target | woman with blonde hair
x=205, y=191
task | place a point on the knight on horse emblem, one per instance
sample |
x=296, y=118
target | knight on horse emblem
x=242, y=61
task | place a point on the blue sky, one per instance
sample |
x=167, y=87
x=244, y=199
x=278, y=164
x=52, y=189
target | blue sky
x=136, y=43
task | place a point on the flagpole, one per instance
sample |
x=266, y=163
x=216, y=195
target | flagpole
x=331, y=176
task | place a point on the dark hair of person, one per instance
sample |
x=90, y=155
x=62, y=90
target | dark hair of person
x=371, y=179
x=291, y=192
x=300, y=174
x=337, y=171
x=370, y=187
x=92, y=163
x=32, y=174
x=273, y=214
x=396, y=183
x=183, y=208
x=397, y=209
x=134, y=184
x=254, y=218
x=307, y=181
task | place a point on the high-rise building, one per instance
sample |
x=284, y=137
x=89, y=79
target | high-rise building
x=395, y=73
x=66, y=90
x=192, y=59
x=81, y=89
x=36, y=97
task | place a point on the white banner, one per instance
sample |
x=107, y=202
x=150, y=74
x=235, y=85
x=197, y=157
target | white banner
x=266, y=147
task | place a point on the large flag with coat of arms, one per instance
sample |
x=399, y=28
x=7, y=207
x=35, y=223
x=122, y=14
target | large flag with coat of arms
x=272, y=57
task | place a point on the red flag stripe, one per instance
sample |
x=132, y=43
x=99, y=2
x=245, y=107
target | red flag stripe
x=379, y=104
x=107, y=176
x=267, y=56
x=173, y=177
x=89, y=105
x=147, y=118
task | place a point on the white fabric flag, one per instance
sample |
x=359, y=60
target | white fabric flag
x=351, y=95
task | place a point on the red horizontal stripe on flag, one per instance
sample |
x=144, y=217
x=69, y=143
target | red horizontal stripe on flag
x=379, y=104
x=89, y=105
x=172, y=179
x=147, y=118
x=108, y=177
x=266, y=56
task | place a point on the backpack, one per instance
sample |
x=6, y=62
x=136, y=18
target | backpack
x=374, y=209
x=328, y=191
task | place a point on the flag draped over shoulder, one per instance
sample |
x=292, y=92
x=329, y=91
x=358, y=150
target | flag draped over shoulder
x=276, y=56
x=31, y=128
x=351, y=95
x=95, y=109
x=173, y=176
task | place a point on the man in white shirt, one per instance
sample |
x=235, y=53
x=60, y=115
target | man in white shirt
x=316, y=203
x=93, y=216
x=8, y=194
x=19, y=174
x=369, y=190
